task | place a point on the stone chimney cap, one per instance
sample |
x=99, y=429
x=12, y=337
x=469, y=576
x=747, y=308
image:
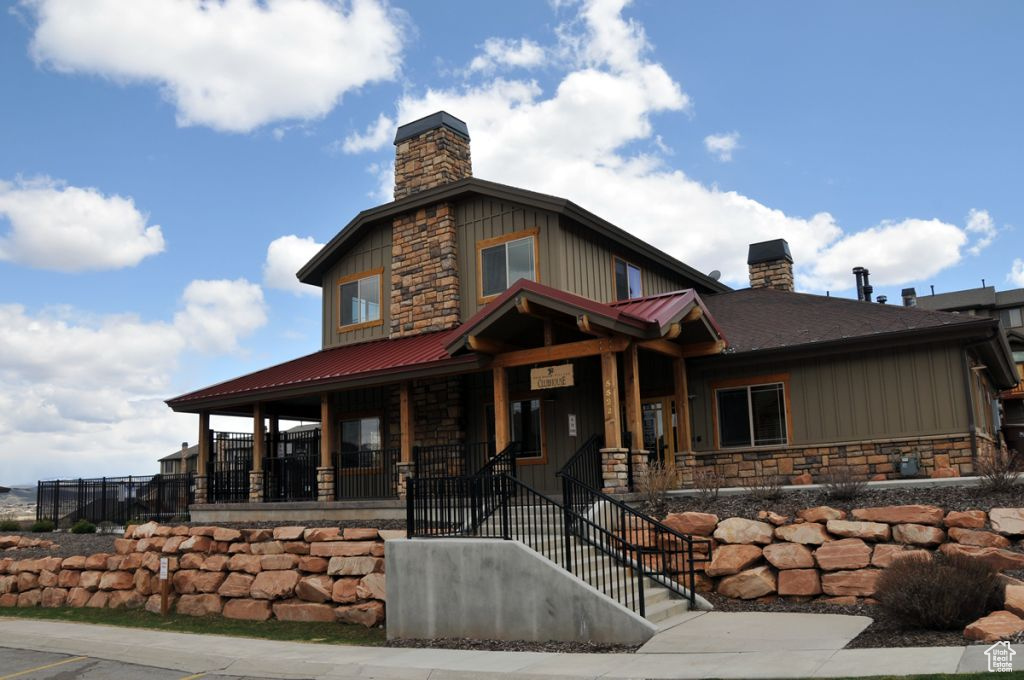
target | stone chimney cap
x=909, y=292
x=431, y=122
x=769, y=251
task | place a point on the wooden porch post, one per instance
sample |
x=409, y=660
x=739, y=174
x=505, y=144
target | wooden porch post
x=405, y=421
x=682, y=397
x=204, y=444
x=326, y=430
x=259, y=440
x=610, y=395
x=501, y=412
x=634, y=412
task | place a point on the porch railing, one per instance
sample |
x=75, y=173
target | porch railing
x=290, y=478
x=118, y=500
x=447, y=460
x=227, y=470
x=366, y=474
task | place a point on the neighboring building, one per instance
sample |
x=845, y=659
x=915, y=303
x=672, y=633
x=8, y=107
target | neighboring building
x=1008, y=307
x=182, y=460
x=466, y=315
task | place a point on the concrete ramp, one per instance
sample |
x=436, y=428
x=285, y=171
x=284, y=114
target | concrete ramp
x=497, y=590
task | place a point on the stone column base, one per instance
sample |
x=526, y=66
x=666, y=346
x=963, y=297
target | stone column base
x=200, y=498
x=256, y=486
x=404, y=473
x=614, y=473
x=641, y=460
x=325, y=484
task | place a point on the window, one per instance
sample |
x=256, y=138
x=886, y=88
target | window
x=627, y=280
x=359, y=300
x=526, y=425
x=504, y=260
x=752, y=415
x=360, y=442
x=1013, y=317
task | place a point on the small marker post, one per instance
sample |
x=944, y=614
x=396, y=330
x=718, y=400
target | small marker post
x=163, y=586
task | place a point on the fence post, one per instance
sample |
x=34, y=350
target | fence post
x=103, y=497
x=567, y=521
x=159, y=498
x=56, y=502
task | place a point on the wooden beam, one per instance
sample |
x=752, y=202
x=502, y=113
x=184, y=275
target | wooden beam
x=549, y=333
x=523, y=306
x=693, y=315
x=259, y=440
x=682, y=397
x=204, y=443
x=665, y=347
x=567, y=350
x=677, y=351
x=634, y=410
x=583, y=323
x=405, y=421
x=488, y=346
x=501, y=411
x=674, y=331
x=610, y=398
x=326, y=430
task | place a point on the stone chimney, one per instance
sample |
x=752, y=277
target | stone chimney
x=771, y=265
x=430, y=152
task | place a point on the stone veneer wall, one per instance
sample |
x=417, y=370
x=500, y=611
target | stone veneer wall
x=437, y=407
x=774, y=274
x=436, y=157
x=288, y=573
x=823, y=553
x=938, y=456
x=424, y=271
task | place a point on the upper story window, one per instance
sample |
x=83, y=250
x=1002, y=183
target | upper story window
x=1013, y=317
x=503, y=260
x=628, y=284
x=359, y=300
x=751, y=415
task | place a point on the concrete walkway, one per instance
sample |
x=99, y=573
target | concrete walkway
x=195, y=655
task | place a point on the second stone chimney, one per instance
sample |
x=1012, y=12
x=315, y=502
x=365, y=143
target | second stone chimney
x=430, y=152
x=771, y=265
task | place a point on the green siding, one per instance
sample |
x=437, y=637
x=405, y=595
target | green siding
x=373, y=251
x=900, y=392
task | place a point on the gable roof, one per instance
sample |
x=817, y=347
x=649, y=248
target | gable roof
x=181, y=454
x=312, y=272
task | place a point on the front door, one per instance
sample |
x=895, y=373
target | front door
x=659, y=429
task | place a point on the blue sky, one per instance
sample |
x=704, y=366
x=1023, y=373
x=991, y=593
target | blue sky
x=150, y=154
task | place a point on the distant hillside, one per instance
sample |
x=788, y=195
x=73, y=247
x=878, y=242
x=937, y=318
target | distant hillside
x=20, y=502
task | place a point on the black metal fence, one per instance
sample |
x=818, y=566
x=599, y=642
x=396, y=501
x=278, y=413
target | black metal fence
x=289, y=469
x=447, y=460
x=118, y=500
x=227, y=470
x=366, y=474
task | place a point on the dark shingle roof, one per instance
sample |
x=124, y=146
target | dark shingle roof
x=761, y=318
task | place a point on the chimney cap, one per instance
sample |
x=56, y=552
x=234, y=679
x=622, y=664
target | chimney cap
x=909, y=292
x=431, y=122
x=769, y=251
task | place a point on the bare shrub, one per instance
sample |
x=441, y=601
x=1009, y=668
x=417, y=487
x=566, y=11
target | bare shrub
x=998, y=472
x=938, y=592
x=708, y=481
x=842, y=483
x=764, y=486
x=655, y=482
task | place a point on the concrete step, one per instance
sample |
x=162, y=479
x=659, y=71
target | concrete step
x=666, y=609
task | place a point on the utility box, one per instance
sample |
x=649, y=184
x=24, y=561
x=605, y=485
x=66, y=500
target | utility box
x=910, y=466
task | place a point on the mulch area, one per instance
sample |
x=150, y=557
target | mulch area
x=515, y=646
x=789, y=502
x=344, y=524
x=68, y=544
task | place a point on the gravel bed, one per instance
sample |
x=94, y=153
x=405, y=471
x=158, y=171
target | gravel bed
x=348, y=523
x=68, y=544
x=514, y=646
x=745, y=505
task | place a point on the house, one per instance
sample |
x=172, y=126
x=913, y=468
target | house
x=1008, y=307
x=182, y=460
x=466, y=316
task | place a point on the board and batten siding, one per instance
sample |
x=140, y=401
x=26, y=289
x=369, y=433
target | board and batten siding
x=373, y=251
x=882, y=394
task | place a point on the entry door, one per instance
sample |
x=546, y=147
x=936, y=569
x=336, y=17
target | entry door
x=659, y=430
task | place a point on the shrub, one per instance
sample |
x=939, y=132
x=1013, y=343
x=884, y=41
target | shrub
x=940, y=592
x=764, y=487
x=42, y=526
x=83, y=526
x=655, y=482
x=708, y=482
x=998, y=472
x=841, y=483
x=10, y=525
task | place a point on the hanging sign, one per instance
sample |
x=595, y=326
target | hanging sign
x=548, y=377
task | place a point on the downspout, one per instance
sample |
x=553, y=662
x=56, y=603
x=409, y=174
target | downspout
x=969, y=393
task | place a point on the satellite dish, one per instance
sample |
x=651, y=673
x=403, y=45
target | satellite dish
x=715, y=274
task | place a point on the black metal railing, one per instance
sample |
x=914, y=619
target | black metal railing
x=451, y=460
x=228, y=467
x=585, y=464
x=366, y=474
x=118, y=500
x=290, y=478
x=503, y=463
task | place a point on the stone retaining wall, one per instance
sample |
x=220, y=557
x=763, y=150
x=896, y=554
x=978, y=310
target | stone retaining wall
x=824, y=553
x=288, y=573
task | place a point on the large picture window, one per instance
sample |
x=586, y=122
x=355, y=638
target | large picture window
x=360, y=442
x=504, y=260
x=359, y=300
x=752, y=415
x=628, y=283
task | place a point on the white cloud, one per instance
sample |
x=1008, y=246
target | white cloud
x=231, y=65
x=722, y=145
x=377, y=136
x=980, y=224
x=71, y=229
x=498, y=52
x=579, y=141
x=285, y=256
x=81, y=394
x=1016, y=275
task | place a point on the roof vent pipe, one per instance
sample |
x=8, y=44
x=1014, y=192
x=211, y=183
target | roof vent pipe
x=858, y=272
x=868, y=288
x=909, y=297
x=882, y=299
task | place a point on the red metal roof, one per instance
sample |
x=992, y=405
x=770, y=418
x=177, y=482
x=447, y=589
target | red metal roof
x=376, y=357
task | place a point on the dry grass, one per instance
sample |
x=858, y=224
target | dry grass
x=655, y=482
x=764, y=486
x=842, y=483
x=999, y=472
x=708, y=482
